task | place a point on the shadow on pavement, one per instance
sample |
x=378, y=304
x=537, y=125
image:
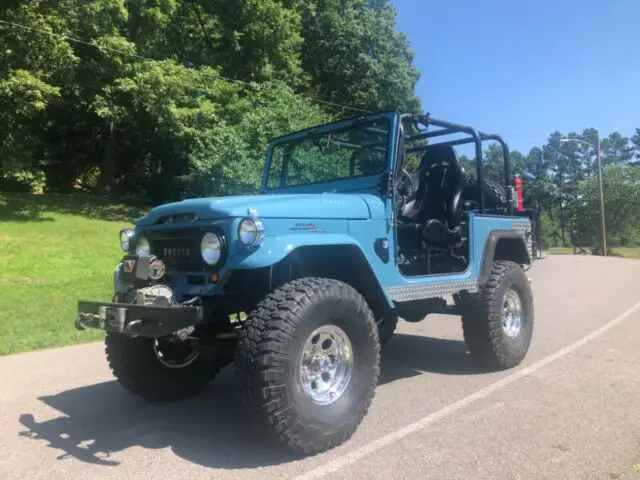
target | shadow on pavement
x=212, y=429
x=408, y=356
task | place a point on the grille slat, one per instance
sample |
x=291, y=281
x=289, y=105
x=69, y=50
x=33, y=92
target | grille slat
x=180, y=248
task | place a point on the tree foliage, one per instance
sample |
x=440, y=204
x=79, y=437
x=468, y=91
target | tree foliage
x=561, y=180
x=165, y=99
x=169, y=98
x=622, y=207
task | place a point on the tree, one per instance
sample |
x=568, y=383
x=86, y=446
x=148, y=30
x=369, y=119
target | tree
x=616, y=149
x=152, y=92
x=354, y=56
x=621, y=185
x=23, y=102
x=635, y=140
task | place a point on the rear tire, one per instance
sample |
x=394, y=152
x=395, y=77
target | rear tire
x=498, y=325
x=276, y=360
x=386, y=328
x=136, y=366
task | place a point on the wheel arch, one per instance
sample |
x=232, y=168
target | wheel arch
x=343, y=262
x=346, y=263
x=503, y=245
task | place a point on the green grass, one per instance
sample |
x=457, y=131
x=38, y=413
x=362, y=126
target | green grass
x=55, y=250
x=560, y=250
x=627, y=252
x=624, y=252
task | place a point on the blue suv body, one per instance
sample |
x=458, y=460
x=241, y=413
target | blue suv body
x=341, y=227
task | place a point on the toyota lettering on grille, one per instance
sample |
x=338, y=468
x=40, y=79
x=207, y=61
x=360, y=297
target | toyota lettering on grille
x=177, y=252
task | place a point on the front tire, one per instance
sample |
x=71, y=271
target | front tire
x=307, y=363
x=141, y=367
x=498, y=324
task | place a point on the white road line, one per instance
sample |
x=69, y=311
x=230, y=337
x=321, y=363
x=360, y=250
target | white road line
x=359, y=453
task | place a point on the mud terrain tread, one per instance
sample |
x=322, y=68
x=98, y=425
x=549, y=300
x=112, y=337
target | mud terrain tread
x=135, y=366
x=482, y=320
x=494, y=193
x=261, y=363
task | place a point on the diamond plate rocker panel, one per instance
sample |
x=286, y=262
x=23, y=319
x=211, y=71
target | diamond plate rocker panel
x=420, y=292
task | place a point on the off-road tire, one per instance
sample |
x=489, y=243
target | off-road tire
x=386, y=328
x=136, y=367
x=495, y=195
x=267, y=363
x=482, y=320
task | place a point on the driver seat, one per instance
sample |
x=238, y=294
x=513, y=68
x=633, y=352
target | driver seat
x=439, y=195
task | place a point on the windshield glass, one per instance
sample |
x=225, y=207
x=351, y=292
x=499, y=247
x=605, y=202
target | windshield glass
x=354, y=151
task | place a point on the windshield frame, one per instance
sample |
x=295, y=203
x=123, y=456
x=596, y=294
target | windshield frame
x=342, y=183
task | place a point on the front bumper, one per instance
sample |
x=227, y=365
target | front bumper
x=140, y=320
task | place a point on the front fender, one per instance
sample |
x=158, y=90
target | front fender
x=274, y=249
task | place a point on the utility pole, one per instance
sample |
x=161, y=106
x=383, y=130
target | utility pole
x=562, y=223
x=603, y=228
x=602, y=222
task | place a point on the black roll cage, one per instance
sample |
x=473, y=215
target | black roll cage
x=476, y=137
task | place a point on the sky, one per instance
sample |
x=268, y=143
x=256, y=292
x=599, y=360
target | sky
x=526, y=68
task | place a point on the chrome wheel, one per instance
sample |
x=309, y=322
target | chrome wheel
x=512, y=314
x=326, y=364
x=174, y=354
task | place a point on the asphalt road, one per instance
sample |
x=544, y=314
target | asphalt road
x=570, y=411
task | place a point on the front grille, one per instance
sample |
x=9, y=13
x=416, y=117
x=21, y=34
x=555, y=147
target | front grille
x=177, y=252
x=179, y=249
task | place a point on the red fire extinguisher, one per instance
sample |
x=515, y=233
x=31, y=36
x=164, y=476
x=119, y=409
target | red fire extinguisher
x=517, y=185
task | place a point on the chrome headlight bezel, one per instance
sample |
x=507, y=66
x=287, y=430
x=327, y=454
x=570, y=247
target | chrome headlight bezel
x=143, y=247
x=211, y=248
x=126, y=236
x=250, y=231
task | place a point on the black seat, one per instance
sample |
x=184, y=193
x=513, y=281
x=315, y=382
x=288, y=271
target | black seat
x=439, y=195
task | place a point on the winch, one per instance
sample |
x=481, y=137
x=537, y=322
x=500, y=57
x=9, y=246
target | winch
x=155, y=295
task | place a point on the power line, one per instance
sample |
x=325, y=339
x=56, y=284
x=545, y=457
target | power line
x=141, y=57
x=73, y=39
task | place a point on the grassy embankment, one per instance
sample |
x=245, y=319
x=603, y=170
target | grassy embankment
x=55, y=250
x=625, y=252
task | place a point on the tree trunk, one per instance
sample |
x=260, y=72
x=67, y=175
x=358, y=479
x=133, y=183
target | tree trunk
x=106, y=182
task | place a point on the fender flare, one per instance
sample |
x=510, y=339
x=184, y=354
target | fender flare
x=515, y=249
x=274, y=250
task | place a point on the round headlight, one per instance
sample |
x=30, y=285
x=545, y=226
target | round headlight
x=125, y=239
x=211, y=248
x=143, y=248
x=250, y=230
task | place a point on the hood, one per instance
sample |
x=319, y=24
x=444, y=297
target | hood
x=307, y=206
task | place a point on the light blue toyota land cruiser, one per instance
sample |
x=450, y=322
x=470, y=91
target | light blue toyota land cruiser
x=301, y=286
